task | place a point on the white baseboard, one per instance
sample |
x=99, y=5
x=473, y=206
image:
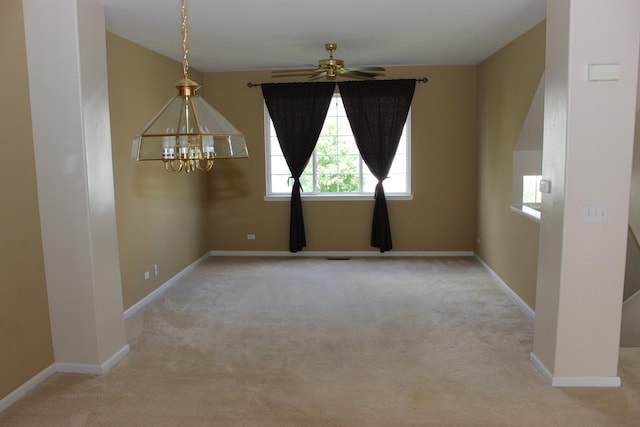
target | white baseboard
x=344, y=253
x=586, y=382
x=528, y=311
x=573, y=381
x=25, y=388
x=80, y=368
x=541, y=368
x=68, y=368
x=162, y=288
x=115, y=359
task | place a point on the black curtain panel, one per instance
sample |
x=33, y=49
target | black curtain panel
x=297, y=111
x=377, y=111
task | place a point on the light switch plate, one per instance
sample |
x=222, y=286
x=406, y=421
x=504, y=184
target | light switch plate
x=545, y=186
x=604, y=72
x=595, y=214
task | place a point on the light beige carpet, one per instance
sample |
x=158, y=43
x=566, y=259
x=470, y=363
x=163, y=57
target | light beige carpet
x=314, y=342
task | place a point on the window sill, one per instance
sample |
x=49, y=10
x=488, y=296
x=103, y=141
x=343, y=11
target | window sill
x=328, y=198
x=526, y=212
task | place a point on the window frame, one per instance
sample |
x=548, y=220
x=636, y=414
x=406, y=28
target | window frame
x=313, y=196
x=537, y=194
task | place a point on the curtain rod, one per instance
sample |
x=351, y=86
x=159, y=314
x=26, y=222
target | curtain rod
x=422, y=80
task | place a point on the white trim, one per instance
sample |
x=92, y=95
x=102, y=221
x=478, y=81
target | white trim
x=343, y=253
x=267, y=148
x=25, y=388
x=161, y=289
x=537, y=363
x=80, y=368
x=632, y=298
x=573, y=381
x=115, y=359
x=528, y=311
x=409, y=178
x=69, y=368
x=324, y=197
x=586, y=382
x=526, y=212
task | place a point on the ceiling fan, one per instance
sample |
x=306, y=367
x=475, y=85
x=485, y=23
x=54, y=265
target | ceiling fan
x=332, y=68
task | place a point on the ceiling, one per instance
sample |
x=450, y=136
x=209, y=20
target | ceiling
x=235, y=35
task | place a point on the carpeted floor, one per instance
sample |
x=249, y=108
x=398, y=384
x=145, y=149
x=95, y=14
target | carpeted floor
x=316, y=342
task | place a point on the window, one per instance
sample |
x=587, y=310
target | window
x=526, y=198
x=335, y=167
x=531, y=195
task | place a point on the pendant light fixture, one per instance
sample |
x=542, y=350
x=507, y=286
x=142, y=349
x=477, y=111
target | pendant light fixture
x=188, y=133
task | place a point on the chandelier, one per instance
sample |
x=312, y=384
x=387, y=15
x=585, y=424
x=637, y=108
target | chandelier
x=188, y=133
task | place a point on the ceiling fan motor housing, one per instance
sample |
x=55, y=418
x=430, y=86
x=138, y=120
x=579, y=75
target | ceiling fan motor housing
x=331, y=65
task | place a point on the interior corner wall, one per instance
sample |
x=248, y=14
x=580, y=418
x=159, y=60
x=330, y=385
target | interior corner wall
x=634, y=208
x=161, y=217
x=632, y=273
x=441, y=216
x=507, y=83
x=25, y=331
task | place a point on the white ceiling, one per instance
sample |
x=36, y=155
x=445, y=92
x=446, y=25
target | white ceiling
x=233, y=35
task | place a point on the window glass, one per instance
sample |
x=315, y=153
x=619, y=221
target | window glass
x=335, y=166
x=531, y=194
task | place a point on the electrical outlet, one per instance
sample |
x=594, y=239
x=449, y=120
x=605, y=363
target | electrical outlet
x=251, y=237
x=155, y=269
x=146, y=275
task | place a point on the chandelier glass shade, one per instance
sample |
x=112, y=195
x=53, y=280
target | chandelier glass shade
x=188, y=133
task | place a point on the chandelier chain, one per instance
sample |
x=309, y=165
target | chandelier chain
x=185, y=47
x=178, y=137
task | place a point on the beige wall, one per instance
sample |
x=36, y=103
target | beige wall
x=441, y=216
x=25, y=336
x=161, y=217
x=171, y=220
x=507, y=82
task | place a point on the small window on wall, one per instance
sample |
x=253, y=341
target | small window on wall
x=526, y=198
x=531, y=195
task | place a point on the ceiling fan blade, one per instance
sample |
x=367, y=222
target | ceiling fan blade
x=367, y=68
x=311, y=73
x=318, y=76
x=353, y=76
x=295, y=70
x=362, y=74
